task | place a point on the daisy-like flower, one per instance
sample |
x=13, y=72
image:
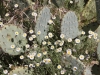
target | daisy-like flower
x=50, y=22
x=34, y=14
x=31, y=65
x=30, y=38
x=47, y=60
x=35, y=45
x=44, y=42
x=27, y=46
x=16, y=5
x=59, y=49
x=50, y=35
x=7, y=14
x=81, y=57
x=62, y=72
x=95, y=37
x=89, y=36
x=12, y=46
x=1, y=24
x=52, y=47
x=5, y=71
x=18, y=49
x=83, y=32
x=31, y=31
x=62, y=36
x=69, y=40
x=45, y=53
x=0, y=66
x=90, y=32
x=31, y=57
x=39, y=55
x=74, y=68
x=24, y=34
x=39, y=32
x=61, y=43
x=77, y=40
x=69, y=51
x=37, y=64
x=46, y=37
x=53, y=17
x=16, y=33
x=21, y=57
x=71, y=2
x=49, y=43
x=59, y=67
x=34, y=36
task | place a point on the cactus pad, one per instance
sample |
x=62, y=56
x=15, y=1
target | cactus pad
x=41, y=24
x=70, y=25
x=11, y=38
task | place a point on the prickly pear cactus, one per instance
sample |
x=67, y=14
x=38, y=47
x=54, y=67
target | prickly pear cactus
x=41, y=24
x=98, y=47
x=20, y=71
x=12, y=40
x=89, y=11
x=70, y=25
x=75, y=63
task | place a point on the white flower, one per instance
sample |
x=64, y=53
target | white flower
x=31, y=57
x=77, y=40
x=34, y=36
x=12, y=46
x=83, y=32
x=10, y=65
x=0, y=66
x=21, y=57
x=14, y=74
x=69, y=40
x=81, y=57
x=49, y=43
x=16, y=5
x=37, y=64
x=59, y=67
x=30, y=38
x=46, y=37
x=31, y=65
x=74, y=68
x=47, y=60
x=59, y=49
x=44, y=42
x=45, y=53
x=53, y=17
x=5, y=71
x=35, y=45
x=71, y=2
x=89, y=36
x=95, y=37
x=62, y=36
x=52, y=47
x=90, y=32
x=39, y=55
x=34, y=14
x=62, y=71
x=18, y=49
x=7, y=14
x=16, y=33
x=69, y=51
x=50, y=35
x=1, y=24
x=61, y=43
x=24, y=34
x=50, y=21
x=31, y=31
x=39, y=32
x=27, y=46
